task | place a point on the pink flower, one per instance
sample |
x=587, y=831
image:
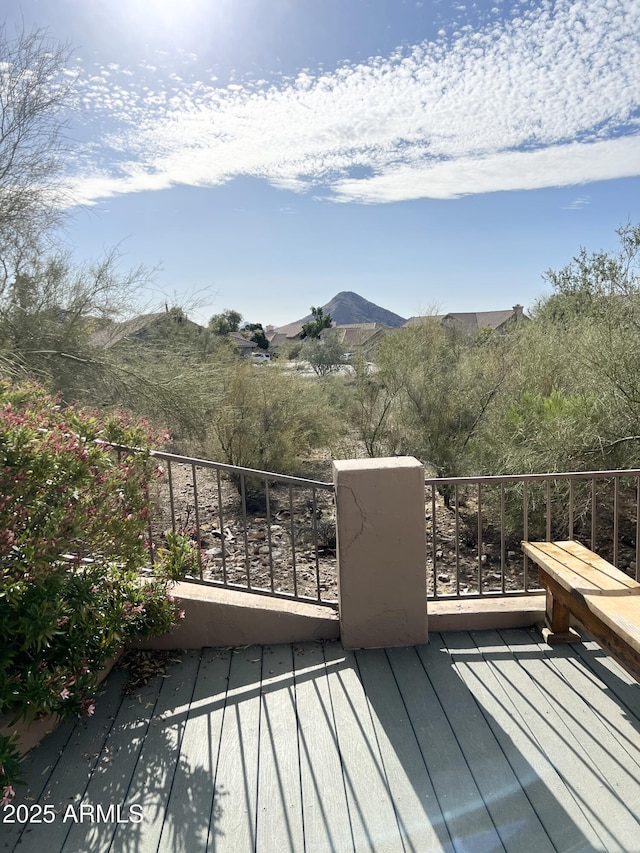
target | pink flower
x=64, y=693
x=89, y=707
x=8, y=793
x=181, y=614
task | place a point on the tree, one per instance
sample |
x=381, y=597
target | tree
x=372, y=410
x=258, y=335
x=227, y=321
x=266, y=419
x=596, y=285
x=50, y=312
x=314, y=327
x=325, y=354
x=37, y=91
x=53, y=313
x=574, y=393
x=443, y=384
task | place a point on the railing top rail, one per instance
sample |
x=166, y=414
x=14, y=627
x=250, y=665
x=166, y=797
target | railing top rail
x=519, y=478
x=231, y=469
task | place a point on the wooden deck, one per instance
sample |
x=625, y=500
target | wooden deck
x=477, y=742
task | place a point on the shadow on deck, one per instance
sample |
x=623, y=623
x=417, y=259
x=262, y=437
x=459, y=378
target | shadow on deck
x=477, y=742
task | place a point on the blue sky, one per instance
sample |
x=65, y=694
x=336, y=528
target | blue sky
x=266, y=154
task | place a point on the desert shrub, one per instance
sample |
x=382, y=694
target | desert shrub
x=264, y=418
x=73, y=516
x=325, y=354
x=431, y=392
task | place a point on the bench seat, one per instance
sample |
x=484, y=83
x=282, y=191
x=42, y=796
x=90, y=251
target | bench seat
x=605, y=600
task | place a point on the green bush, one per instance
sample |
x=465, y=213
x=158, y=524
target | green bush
x=267, y=419
x=73, y=520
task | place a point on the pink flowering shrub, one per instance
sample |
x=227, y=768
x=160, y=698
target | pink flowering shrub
x=73, y=522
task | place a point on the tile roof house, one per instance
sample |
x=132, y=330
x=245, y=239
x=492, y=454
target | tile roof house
x=243, y=344
x=358, y=334
x=349, y=334
x=475, y=321
x=277, y=337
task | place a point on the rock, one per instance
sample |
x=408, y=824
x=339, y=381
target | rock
x=444, y=578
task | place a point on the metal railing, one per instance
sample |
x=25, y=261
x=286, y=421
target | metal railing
x=475, y=526
x=276, y=535
x=253, y=530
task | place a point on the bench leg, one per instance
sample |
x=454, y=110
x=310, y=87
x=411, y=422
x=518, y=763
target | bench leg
x=558, y=629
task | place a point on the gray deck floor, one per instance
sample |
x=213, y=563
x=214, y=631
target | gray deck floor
x=477, y=742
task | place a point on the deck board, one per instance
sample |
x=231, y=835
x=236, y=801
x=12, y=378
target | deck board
x=513, y=815
x=420, y=819
x=236, y=781
x=571, y=787
x=69, y=774
x=113, y=774
x=502, y=690
x=324, y=798
x=591, y=755
x=620, y=726
x=468, y=822
x=155, y=770
x=279, y=808
x=373, y=820
x=483, y=742
x=188, y=816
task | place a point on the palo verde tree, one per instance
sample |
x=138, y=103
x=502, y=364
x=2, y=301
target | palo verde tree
x=37, y=93
x=325, y=354
x=47, y=305
x=54, y=314
x=267, y=419
x=574, y=400
x=432, y=391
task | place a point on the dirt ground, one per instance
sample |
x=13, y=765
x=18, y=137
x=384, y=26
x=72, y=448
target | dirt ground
x=286, y=544
x=289, y=547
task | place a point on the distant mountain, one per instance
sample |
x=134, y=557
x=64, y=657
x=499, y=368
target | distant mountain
x=347, y=307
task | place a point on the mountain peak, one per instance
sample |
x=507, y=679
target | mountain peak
x=348, y=307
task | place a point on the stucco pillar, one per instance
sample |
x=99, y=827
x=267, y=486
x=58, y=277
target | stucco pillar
x=382, y=577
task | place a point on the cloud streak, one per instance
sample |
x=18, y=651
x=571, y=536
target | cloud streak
x=547, y=97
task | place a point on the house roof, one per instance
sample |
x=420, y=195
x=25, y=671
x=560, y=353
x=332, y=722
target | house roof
x=241, y=342
x=276, y=339
x=357, y=334
x=290, y=331
x=473, y=321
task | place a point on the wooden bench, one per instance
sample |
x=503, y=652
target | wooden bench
x=579, y=583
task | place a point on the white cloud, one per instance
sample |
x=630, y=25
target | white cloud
x=578, y=203
x=547, y=97
x=561, y=165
